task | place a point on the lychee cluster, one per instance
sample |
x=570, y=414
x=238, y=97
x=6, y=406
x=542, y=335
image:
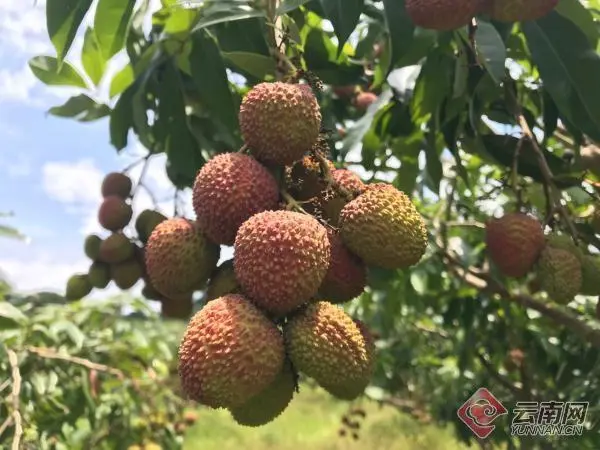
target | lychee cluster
x=445, y=15
x=303, y=234
x=120, y=256
x=517, y=246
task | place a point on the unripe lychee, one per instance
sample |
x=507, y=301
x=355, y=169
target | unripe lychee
x=280, y=122
x=345, y=91
x=514, y=243
x=146, y=221
x=91, y=247
x=116, y=248
x=126, y=274
x=384, y=228
x=228, y=190
x=116, y=183
x=347, y=187
x=78, y=286
x=229, y=353
x=222, y=281
x=114, y=213
x=99, y=275
x=177, y=308
x=560, y=274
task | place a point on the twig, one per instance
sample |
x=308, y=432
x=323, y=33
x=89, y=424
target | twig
x=544, y=168
x=291, y=201
x=516, y=391
x=134, y=163
x=150, y=193
x=49, y=353
x=142, y=174
x=515, y=173
x=466, y=224
x=243, y=149
x=15, y=397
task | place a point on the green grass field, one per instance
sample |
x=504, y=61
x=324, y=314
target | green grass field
x=312, y=421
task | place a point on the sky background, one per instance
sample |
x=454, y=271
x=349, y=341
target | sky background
x=51, y=168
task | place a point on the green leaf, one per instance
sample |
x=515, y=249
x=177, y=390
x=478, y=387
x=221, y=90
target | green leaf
x=580, y=16
x=10, y=316
x=259, y=66
x=226, y=16
x=180, y=20
x=491, y=50
x=82, y=108
x=433, y=85
x=91, y=57
x=210, y=77
x=46, y=69
x=10, y=232
x=110, y=23
x=121, y=81
x=63, y=18
x=121, y=119
x=569, y=67
x=290, y=5
x=344, y=16
x=401, y=29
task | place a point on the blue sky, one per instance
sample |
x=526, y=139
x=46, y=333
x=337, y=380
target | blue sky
x=51, y=168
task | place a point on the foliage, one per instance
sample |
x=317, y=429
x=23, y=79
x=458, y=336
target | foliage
x=86, y=375
x=470, y=122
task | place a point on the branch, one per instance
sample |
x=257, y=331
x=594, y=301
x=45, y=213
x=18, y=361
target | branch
x=484, y=281
x=15, y=397
x=142, y=174
x=49, y=353
x=516, y=391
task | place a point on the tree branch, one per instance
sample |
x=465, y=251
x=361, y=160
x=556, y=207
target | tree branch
x=15, y=398
x=49, y=353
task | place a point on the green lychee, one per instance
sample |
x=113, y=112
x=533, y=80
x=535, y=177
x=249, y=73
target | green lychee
x=126, y=274
x=383, y=228
x=325, y=343
x=145, y=223
x=99, y=274
x=116, y=248
x=559, y=272
x=222, y=281
x=78, y=286
x=91, y=247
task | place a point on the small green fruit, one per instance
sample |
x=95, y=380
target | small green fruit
x=91, y=247
x=78, y=286
x=99, y=275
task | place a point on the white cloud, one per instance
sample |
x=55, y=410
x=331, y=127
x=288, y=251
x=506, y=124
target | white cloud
x=17, y=85
x=76, y=183
x=23, y=28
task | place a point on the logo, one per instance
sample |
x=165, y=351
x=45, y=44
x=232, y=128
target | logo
x=553, y=418
x=480, y=411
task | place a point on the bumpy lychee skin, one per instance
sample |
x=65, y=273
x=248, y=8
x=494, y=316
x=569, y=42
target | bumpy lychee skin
x=383, y=228
x=347, y=275
x=280, y=122
x=518, y=10
x=116, y=183
x=514, y=243
x=114, y=213
x=230, y=352
x=179, y=257
x=559, y=272
x=229, y=189
x=267, y=405
x=280, y=259
x=442, y=15
x=325, y=343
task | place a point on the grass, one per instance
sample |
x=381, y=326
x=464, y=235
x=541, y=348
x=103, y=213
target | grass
x=312, y=421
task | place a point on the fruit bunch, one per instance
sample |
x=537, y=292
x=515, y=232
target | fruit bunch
x=516, y=244
x=119, y=256
x=303, y=234
x=445, y=15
